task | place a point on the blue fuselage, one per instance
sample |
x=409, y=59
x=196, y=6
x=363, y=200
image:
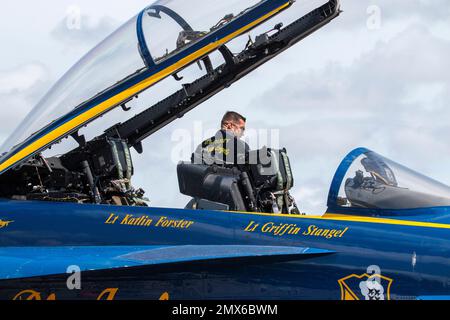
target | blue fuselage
x=412, y=254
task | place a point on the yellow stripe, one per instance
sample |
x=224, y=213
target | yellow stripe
x=339, y=217
x=105, y=106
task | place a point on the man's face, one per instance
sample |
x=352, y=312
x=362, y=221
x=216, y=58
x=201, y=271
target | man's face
x=238, y=128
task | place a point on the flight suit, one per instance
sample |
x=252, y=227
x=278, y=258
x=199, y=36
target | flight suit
x=224, y=149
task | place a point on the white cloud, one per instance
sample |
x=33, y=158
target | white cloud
x=21, y=79
x=89, y=32
x=394, y=98
x=20, y=89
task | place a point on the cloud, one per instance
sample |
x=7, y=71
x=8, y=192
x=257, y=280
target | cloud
x=87, y=31
x=393, y=99
x=20, y=89
x=21, y=79
x=357, y=13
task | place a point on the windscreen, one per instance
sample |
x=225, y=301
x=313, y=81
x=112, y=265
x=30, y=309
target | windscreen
x=373, y=181
x=111, y=61
x=166, y=31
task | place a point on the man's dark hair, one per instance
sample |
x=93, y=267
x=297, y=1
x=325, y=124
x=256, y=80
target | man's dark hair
x=232, y=116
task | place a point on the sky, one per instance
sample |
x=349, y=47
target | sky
x=376, y=77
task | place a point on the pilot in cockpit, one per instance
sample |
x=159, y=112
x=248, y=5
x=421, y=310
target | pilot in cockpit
x=226, y=148
x=226, y=175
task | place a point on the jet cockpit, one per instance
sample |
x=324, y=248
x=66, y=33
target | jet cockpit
x=367, y=181
x=160, y=41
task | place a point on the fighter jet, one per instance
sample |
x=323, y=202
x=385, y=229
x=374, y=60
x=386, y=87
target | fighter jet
x=72, y=226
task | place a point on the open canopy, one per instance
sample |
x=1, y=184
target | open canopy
x=367, y=180
x=162, y=39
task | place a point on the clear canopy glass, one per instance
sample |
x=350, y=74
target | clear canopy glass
x=168, y=27
x=112, y=60
x=185, y=22
x=373, y=181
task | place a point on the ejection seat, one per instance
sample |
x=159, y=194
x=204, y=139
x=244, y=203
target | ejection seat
x=212, y=187
x=261, y=185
